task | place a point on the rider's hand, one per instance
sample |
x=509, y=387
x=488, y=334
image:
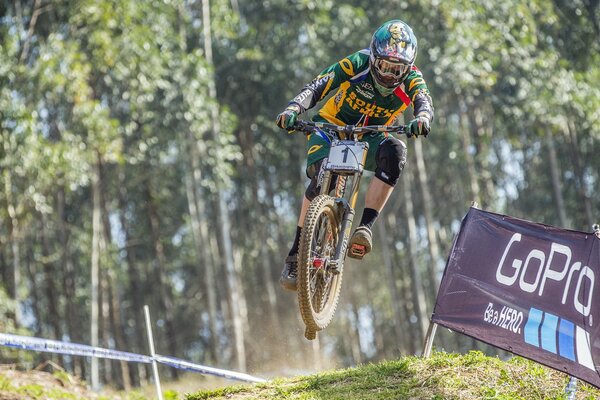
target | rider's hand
x=287, y=118
x=419, y=126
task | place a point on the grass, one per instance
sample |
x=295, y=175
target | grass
x=39, y=385
x=442, y=376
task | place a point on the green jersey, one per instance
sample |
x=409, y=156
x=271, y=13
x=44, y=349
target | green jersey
x=357, y=101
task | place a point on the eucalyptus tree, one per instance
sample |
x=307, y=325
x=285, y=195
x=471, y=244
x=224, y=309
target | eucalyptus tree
x=16, y=129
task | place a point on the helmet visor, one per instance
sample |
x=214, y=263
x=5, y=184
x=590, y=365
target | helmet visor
x=389, y=72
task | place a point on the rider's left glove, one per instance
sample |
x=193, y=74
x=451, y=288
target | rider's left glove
x=287, y=118
x=419, y=126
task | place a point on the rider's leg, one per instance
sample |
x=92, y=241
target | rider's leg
x=303, y=209
x=391, y=158
x=288, y=275
x=317, y=149
x=315, y=173
x=377, y=196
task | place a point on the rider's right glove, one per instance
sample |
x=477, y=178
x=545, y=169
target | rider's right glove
x=287, y=118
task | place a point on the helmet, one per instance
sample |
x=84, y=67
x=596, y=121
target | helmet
x=393, y=53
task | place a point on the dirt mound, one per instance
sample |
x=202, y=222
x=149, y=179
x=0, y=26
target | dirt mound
x=19, y=385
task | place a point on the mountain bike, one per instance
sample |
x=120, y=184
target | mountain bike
x=328, y=222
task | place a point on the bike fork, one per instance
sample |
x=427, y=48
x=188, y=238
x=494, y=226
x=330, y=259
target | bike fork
x=345, y=229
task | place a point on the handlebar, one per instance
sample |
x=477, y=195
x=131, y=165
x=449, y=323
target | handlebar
x=310, y=126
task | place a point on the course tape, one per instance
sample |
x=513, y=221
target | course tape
x=182, y=364
x=55, y=346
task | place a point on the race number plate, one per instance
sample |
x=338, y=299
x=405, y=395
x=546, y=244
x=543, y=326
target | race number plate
x=347, y=155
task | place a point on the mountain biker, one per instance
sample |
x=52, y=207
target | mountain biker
x=374, y=87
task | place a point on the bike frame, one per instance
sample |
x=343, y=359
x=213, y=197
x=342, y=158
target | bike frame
x=346, y=201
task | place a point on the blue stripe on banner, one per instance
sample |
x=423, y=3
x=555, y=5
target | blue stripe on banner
x=566, y=339
x=549, y=328
x=532, y=327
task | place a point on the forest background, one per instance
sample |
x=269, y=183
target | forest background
x=140, y=164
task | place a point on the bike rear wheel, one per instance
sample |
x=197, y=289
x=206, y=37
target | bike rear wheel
x=318, y=284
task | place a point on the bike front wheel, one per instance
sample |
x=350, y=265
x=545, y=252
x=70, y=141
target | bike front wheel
x=319, y=285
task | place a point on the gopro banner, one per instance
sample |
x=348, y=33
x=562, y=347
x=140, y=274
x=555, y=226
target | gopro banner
x=528, y=288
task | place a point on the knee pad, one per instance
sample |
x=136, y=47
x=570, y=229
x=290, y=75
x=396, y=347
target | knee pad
x=390, y=158
x=315, y=172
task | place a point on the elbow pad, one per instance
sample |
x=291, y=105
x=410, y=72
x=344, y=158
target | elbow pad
x=423, y=105
x=305, y=99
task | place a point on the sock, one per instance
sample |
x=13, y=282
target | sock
x=294, y=249
x=368, y=218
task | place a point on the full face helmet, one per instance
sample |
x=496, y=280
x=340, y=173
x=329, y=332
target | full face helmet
x=393, y=53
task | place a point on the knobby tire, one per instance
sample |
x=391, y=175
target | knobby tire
x=318, y=289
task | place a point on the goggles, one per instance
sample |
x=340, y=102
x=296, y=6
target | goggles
x=390, y=70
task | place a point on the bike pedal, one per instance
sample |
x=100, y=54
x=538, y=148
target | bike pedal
x=357, y=251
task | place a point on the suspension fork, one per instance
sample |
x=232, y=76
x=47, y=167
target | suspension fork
x=347, y=212
x=355, y=186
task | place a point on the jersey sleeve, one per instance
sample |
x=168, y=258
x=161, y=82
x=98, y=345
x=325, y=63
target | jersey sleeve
x=416, y=88
x=331, y=78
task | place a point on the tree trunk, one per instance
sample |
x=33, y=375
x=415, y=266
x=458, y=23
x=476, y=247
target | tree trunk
x=481, y=131
x=33, y=291
x=418, y=295
x=555, y=173
x=113, y=314
x=466, y=147
x=237, y=299
x=14, y=234
x=135, y=286
x=435, y=263
x=258, y=221
x=391, y=280
x=165, y=300
x=200, y=235
x=357, y=353
x=117, y=328
x=95, y=273
x=104, y=321
x=74, y=331
x=383, y=351
x=588, y=218
x=401, y=273
x=50, y=275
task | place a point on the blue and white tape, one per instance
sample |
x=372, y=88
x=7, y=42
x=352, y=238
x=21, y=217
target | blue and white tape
x=55, y=346
x=186, y=365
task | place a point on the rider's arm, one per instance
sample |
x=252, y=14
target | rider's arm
x=417, y=90
x=329, y=79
